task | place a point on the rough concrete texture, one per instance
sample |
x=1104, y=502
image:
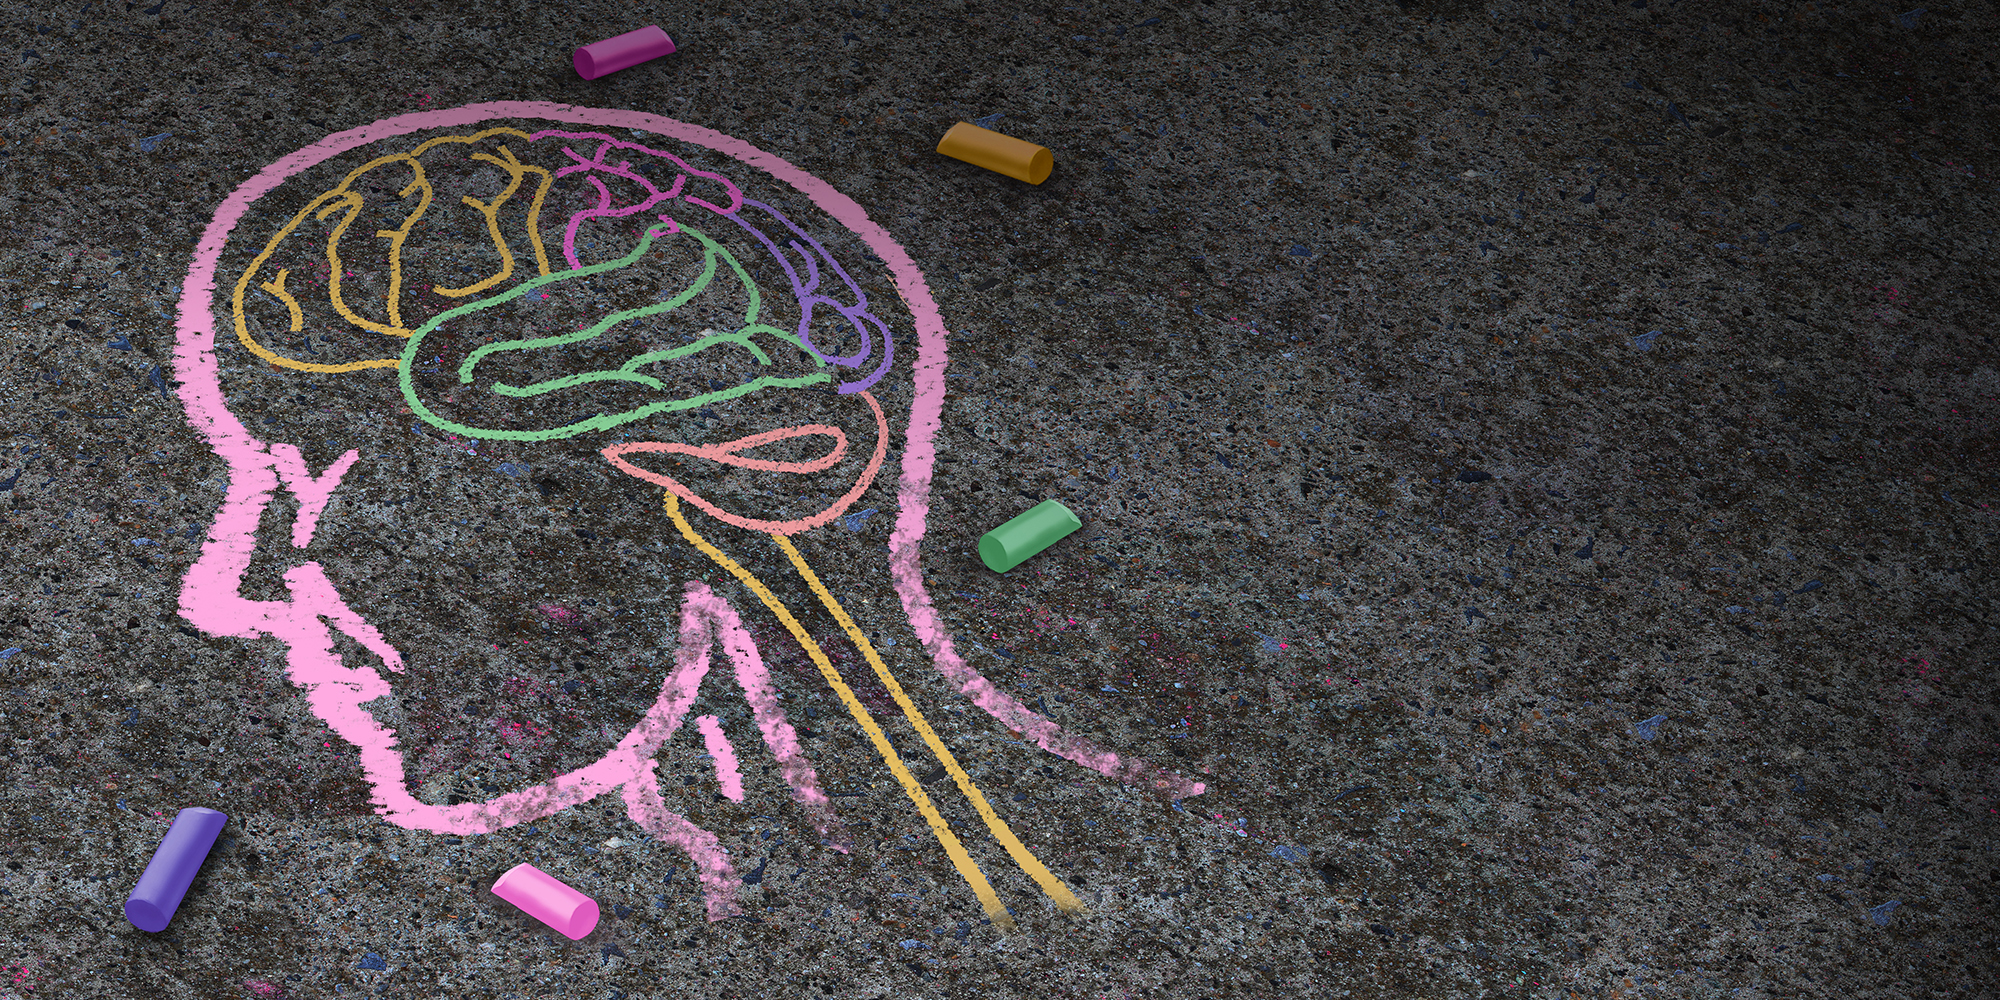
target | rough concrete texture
x=1536, y=464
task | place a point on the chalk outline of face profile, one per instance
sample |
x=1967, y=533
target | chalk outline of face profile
x=211, y=599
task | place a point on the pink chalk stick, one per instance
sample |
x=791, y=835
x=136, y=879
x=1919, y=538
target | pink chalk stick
x=547, y=899
x=622, y=51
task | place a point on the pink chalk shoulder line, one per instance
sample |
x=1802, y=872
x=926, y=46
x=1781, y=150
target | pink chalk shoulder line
x=211, y=597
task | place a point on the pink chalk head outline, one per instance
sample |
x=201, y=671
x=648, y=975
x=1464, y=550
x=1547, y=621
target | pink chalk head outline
x=211, y=597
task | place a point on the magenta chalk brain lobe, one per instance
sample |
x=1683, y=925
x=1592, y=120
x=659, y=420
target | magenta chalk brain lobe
x=536, y=422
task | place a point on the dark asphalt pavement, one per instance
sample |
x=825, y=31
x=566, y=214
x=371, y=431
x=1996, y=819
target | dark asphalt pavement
x=1536, y=466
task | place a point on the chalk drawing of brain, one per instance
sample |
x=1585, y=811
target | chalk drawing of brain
x=455, y=359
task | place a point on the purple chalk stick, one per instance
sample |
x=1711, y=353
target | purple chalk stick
x=549, y=900
x=166, y=879
x=622, y=51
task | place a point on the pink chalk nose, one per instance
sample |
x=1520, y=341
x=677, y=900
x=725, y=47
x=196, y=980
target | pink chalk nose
x=622, y=51
x=547, y=899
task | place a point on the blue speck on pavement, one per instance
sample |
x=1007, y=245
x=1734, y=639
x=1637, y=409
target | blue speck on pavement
x=152, y=142
x=1880, y=914
x=372, y=961
x=1650, y=728
x=1644, y=341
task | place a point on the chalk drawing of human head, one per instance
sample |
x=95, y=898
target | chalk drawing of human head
x=453, y=359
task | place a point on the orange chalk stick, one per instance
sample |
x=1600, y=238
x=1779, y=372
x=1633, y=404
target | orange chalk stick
x=1002, y=154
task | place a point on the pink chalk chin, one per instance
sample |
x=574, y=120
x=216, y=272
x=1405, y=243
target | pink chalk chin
x=622, y=52
x=547, y=899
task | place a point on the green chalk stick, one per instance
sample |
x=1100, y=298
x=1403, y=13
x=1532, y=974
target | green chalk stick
x=1035, y=529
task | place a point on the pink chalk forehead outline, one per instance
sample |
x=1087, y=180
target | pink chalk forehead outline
x=210, y=598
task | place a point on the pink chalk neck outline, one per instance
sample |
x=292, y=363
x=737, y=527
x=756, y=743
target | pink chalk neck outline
x=211, y=598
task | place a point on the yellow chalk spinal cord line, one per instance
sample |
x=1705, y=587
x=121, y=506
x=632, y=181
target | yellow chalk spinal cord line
x=960, y=859
x=1064, y=898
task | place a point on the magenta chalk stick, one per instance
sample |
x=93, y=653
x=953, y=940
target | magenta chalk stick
x=622, y=52
x=175, y=862
x=548, y=900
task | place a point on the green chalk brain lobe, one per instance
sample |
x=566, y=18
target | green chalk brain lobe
x=528, y=382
